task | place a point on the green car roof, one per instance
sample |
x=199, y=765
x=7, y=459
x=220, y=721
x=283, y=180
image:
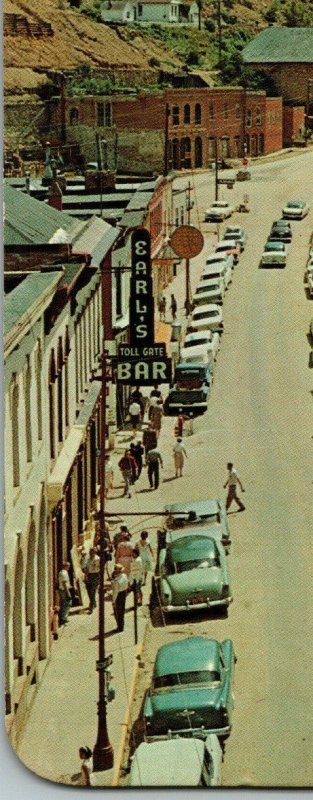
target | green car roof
x=190, y=546
x=192, y=654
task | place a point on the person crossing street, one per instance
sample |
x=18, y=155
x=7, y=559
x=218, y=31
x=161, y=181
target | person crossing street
x=232, y=481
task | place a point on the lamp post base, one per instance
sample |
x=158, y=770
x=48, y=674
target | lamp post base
x=103, y=757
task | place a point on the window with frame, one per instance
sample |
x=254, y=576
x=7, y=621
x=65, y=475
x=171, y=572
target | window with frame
x=258, y=116
x=211, y=111
x=249, y=117
x=175, y=115
x=187, y=114
x=225, y=110
x=198, y=114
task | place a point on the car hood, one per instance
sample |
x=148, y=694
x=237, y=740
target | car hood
x=195, y=583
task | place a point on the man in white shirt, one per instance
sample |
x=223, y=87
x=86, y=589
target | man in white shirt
x=135, y=575
x=232, y=482
x=119, y=592
x=92, y=575
x=135, y=415
x=64, y=592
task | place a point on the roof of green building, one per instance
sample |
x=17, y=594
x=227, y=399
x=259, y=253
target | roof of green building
x=21, y=300
x=280, y=45
x=30, y=221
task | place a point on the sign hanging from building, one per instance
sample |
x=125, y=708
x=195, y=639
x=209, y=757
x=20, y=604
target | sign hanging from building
x=141, y=315
x=143, y=365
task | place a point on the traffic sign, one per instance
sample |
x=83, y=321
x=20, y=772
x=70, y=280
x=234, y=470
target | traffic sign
x=105, y=663
x=226, y=181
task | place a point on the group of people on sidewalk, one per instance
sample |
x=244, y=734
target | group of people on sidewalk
x=132, y=564
x=163, y=304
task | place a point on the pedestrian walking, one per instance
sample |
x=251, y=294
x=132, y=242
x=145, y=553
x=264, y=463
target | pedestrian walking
x=156, y=417
x=123, y=553
x=135, y=577
x=138, y=397
x=162, y=308
x=119, y=592
x=232, y=482
x=179, y=423
x=149, y=439
x=156, y=392
x=85, y=754
x=119, y=536
x=154, y=459
x=146, y=555
x=137, y=452
x=64, y=593
x=92, y=575
x=109, y=474
x=128, y=467
x=179, y=457
x=153, y=402
x=173, y=306
x=135, y=415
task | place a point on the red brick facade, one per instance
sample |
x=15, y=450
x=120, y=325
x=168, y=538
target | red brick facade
x=294, y=122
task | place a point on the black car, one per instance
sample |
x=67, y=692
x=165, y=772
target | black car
x=281, y=231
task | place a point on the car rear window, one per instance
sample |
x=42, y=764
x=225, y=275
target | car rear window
x=181, y=679
x=205, y=340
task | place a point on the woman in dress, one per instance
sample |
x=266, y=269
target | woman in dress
x=146, y=554
x=123, y=554
x=179, y=457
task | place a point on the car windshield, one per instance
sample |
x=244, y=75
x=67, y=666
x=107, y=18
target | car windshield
x=275, y=246
x=232, y=235
x=181, y=679
x=197, y=342
x=205, y=315
x=295, y=204
x=196, y=563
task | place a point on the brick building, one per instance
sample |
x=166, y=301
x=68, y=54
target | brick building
x=286, y=55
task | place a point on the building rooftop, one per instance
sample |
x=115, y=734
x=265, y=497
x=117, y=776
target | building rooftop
x=280, y=45
x=29, y=221
x=21, y=302
x=96, y=237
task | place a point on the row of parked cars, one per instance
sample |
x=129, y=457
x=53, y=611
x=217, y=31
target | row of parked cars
x=278, y=241
x=189, y=705
x=193, y=376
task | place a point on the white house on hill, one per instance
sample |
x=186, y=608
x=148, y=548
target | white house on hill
x=145, y=11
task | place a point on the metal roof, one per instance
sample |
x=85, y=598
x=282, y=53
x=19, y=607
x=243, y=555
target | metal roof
x=131, y=219
x=140, y=200
x=96, y=238
x=20, y=301
x=192, y=654
x=280, y=45
x=29, y=221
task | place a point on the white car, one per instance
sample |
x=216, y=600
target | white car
x=208, y=317
x=218, y=211
x=230, y=248
x=212, y=289
x=177, y=762
x=275, y=255
x=295, y=209
x=207, y=339
x=218, y=266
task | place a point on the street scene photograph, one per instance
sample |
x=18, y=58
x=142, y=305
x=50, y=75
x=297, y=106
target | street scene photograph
x=157, y=392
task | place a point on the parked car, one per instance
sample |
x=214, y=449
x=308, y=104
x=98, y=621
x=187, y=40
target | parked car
x=295, y=209
x=218, y=211
x=209, y=291
x=191, y=388
x=210, y=515
x=192, y=573
x=275, y=254
x=219, y=266
x=207, y=317
x=192, y=689
x=207, y=339
x=230, y=247
x=185, y=762
x=238, y=233
x=243, y=175
x=281, y=231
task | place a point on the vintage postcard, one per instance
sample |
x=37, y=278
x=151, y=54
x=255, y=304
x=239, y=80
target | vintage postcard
x=158, y=341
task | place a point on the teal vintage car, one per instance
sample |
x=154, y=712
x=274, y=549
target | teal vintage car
x=191, y=691
x=193, y=573
x=210, y=514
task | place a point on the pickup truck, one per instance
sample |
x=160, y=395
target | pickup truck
x=191, y=388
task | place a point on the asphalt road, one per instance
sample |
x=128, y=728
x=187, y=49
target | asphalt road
x=259, y=417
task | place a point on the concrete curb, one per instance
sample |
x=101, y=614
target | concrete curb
x=125, y=724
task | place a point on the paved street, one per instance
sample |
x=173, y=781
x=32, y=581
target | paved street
x=259, y=417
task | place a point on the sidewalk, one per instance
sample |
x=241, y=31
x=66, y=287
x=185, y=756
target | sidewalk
x=64, y=713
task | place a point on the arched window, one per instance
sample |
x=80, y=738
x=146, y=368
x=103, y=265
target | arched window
x=187, y=114
x=175, y=115
x=175, y=151
x=198, y=151
x=258, y=116
x=225, y=147
x=187, y=152
x=198, y=114
x=73, y=116
x=249, y=117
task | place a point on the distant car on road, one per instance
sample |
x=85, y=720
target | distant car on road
x=218, y=211
x=185, y=762
x=243, y=175
x=192, y=573
x=275, y=254
x=208, y=317
x=238, y=233
x=295, y=209
x=281, y=231
x=207, y=339
x=191, y=691
x=230, y=247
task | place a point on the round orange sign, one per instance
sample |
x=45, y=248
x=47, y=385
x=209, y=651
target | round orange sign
x=187, y=241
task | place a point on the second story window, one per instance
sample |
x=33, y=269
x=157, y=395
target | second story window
x=198, y=114
x=249, y=117
x=100, y=115
x=258, y=116
x=175, y=115
x=187, y=114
